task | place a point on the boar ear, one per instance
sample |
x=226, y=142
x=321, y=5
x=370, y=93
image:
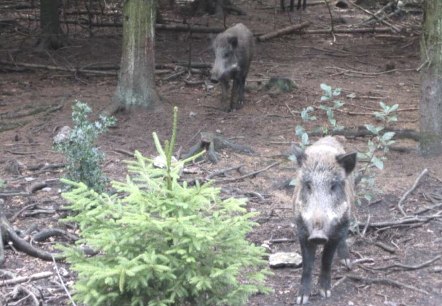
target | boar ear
x=299, y=154
x=233, y=41
x=347, y=161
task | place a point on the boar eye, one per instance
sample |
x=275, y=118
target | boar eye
x=335, y=185
x=226, y=54
x=308, y=185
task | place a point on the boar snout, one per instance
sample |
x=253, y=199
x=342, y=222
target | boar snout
x=214, y=76
x=318, y=237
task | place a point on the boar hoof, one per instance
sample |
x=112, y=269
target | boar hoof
x=302, y=299
x=325, y=293
x=346, y=262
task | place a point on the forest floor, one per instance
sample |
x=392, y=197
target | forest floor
x=369, y=68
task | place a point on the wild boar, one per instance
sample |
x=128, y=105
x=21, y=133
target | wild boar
x=292, y=5
x=323, y=197
x=233, y=54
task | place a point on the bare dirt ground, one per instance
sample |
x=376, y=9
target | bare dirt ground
x=357, y=63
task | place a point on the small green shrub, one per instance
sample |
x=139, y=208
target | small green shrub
x=83, y=159
x=377, y=147
x=163, y=242
x=329, y=104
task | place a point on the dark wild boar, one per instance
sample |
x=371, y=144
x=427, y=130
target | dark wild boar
x=233, y=54
x=322, y=201
x=292, y=5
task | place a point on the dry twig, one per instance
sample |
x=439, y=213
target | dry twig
x=62, y=282
x=406, y=194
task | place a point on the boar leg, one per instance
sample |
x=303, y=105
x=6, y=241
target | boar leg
x=237, y=100
x=326, y=264
x=225, y=105
x=234, y=100
x=343, y=253
x=242, y=85
x=308, y=257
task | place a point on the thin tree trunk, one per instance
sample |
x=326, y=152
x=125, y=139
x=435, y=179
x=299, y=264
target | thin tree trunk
x=136, y=84
x=431, y=80
x=51, y=35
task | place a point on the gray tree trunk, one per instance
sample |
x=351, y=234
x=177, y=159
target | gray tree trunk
x=431, y=80
x=136, y=79
x=51, y=36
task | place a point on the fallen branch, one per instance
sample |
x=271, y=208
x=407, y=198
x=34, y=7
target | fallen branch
x=385, y=247
x=222, y=171
x=400, y=266
x=344, y=70
x=24, y=279
x=124, y=152
x=284, y=31
x=395, y=29
x=234, y=179
x=46, y=168
x=283, y=240
x=348, y=31
x=406, y=194
x=14, y=194
x=438, y=205
x=30, y=112
x=405, y=221
x=384, y=281
x=61, y=68
x=158, y=26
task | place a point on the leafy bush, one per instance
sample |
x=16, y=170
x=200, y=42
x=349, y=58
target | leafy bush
x=377, y=147
x=163, y=242
x=328, y=104
x=83, y=159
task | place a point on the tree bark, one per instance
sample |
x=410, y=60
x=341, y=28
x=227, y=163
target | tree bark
x=136, y=83
x=51, y=35
x=431, y=80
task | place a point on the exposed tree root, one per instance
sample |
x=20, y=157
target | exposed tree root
x=51, y=232
x=8, y=235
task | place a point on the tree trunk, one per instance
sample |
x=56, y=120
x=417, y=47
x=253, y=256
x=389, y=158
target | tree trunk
x=51, y=35
x=136, y=83
x=431, y=80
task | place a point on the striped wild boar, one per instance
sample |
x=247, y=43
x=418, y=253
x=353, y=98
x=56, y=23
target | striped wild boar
x=322, y=201
x=233, y=54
